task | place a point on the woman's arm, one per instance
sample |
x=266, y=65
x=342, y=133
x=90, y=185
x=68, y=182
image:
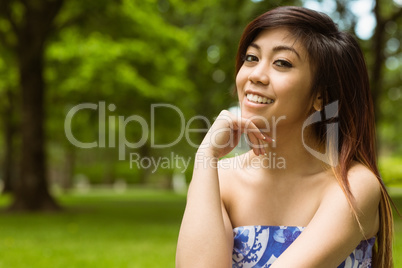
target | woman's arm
x=205, y=238
x=334, y=233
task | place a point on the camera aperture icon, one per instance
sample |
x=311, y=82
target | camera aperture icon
x=331, y=154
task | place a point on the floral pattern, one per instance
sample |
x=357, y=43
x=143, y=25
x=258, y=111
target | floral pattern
x=259, y=246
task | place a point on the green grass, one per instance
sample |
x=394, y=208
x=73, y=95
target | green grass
x=101, y=229
x=396, y=194
x=138, y=228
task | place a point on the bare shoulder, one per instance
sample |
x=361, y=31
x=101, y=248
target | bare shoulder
x=334, y=213
x=366, y=191
x=230, y=167
x=228, y=173
x=364, y=184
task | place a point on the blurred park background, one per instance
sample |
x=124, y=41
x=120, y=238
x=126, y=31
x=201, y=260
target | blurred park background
x=78, y=79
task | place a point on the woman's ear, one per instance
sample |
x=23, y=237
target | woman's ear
x=317, y=104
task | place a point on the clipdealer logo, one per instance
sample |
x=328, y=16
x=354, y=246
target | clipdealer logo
x=107, y=137
x=331, y=155
x=147, y=130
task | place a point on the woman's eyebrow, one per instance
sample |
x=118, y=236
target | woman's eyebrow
x=278, y=48
x=282, y=47
x=254, y=45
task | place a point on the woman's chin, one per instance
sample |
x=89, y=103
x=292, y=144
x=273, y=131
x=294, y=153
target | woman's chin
x=260, y=121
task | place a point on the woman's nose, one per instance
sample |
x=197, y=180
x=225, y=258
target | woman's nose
x=259, y=75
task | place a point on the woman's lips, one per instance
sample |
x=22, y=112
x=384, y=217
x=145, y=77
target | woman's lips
x=257, y=99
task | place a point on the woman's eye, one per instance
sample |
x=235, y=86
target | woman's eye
x=283, y=63
x=250, y=58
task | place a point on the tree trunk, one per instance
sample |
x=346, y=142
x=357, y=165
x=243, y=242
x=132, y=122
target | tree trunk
x=9, y=133
x=31, y=187
x=378, y=43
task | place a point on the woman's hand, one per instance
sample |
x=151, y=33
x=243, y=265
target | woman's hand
x=225, y=133
x=205, y=216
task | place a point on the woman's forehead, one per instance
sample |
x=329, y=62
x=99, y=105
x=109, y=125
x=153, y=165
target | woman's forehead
x=269, y=38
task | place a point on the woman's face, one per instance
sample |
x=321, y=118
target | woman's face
x=275, y=79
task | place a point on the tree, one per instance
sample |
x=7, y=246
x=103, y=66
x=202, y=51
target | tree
x=385, y=81
x=10, y=131
x=9, y=102
x=30, y=24
x=379, y=40
x=147, y=59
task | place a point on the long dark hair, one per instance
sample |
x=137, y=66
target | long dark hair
x=340, y=74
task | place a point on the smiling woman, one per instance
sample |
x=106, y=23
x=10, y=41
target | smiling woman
x=272, y=69
x=293, y=66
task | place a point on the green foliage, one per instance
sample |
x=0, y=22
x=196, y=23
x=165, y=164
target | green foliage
x=133, y=54
x=390, y=127
x=391, y=170
x=137, y=53
x=124, y=54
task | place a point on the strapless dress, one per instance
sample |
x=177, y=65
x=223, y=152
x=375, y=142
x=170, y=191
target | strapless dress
x=259, y=246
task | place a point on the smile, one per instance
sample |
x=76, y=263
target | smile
x=258, y=99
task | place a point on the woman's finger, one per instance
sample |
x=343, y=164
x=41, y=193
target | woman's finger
x=247, y=126
x=255, y=143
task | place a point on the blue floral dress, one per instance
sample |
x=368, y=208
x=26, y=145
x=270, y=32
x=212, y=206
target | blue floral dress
x=259, y=246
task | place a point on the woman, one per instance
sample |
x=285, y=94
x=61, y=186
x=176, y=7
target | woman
x=304, y=83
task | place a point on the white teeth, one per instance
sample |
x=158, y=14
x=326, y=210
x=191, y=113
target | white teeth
x=258, y=99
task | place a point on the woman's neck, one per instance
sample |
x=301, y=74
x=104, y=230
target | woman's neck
x=289, y=154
